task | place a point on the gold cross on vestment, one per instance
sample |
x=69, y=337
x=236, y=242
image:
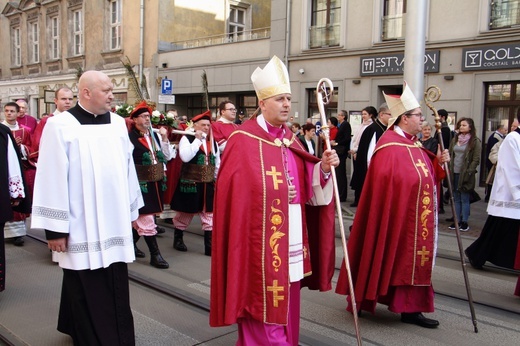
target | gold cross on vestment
x=424, y=255
x=275, y=174
x=422, y=165
x=275, y=289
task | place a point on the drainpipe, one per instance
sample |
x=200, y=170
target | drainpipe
x=141, y=46
x=287, y=33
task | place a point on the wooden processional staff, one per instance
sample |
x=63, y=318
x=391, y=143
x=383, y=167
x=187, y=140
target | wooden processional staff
x=324, y=91
x=431, y=95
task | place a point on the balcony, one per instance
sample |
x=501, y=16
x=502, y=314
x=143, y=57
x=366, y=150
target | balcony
x=393, y=27
x=504, y=14
x=324, y=36
x=246, y=35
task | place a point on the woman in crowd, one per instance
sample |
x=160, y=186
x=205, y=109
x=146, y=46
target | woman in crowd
x=333, y=128
x=309, y=132
x=427, y=141
x=368, y=114
x=465, y=151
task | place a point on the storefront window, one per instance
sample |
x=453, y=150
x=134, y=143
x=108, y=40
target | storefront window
x=502, y=106
x=497, y=92
x=330, y=110
x=247, y=105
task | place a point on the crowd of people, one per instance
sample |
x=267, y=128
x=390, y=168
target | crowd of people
x=96, y=183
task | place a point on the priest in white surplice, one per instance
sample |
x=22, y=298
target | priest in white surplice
x=86, y=195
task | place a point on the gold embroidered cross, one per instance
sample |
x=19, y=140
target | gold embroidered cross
x=422, y=165
x=275, y=176
x=275, y=289
x=424, y=255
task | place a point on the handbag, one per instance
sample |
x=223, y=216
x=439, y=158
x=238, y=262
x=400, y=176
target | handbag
x=474, y=196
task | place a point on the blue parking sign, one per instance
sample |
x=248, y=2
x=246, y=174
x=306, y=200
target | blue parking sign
x=166, y=86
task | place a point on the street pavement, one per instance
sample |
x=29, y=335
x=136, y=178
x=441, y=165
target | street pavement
x=29, y=305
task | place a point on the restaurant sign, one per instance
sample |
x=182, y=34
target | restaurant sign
x=504, y=56
x=381, y=65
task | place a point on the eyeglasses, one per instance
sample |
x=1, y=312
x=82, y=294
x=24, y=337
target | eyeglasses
x=420, y=115
x=231, y=109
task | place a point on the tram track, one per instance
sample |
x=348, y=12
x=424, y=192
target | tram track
x=178, y=293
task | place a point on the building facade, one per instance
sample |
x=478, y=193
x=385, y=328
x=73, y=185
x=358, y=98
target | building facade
x=472, y=55
x=49, y=43
x=472, y=52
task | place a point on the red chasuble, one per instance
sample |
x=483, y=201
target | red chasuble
x=249, y=268
x=222, y=131
x=36, y=137
x=393, y=238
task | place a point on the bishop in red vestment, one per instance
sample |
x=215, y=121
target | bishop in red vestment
x=267, y=240
x=393, y=240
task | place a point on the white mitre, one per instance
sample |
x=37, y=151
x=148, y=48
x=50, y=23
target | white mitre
x=272, y=80
x=400, y=104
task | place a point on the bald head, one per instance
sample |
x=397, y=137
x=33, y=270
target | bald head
x=95, y=92
x=23, y=108
x=63, y=99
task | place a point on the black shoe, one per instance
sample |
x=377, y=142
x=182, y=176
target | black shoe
x=353, y=205
x=452, y=226
x=178, y=243
x=475, y=265
x=160, y=230
x=138, y=253
x=419, y=319
x=472, y=262
x=158, y=261
x=450, y=219
x=18, y=241
x=155, y=255
x=207, y=242
x=464, y=227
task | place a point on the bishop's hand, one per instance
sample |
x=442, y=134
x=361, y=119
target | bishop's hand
x=329, y=159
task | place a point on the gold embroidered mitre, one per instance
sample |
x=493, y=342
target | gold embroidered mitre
x=400, y=104
x=272, y=80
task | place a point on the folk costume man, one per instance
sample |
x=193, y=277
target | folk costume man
x=225, y=124
x=85, y=197
x=12, y=190
x=393, y=240
x=16, y=228
x=194, y=192
x=150, y=156
x=267, y=241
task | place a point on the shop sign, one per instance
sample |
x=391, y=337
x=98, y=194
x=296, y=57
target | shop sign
x=504, y=56
x=381, y=65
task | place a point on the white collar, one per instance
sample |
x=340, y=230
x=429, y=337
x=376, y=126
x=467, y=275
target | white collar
x=12, y=127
